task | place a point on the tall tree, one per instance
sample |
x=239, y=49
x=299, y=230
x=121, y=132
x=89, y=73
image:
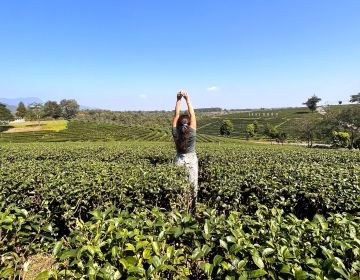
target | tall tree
x=256, y=126
x=250, y=130
x=69, y=108
x=52, y=109
x=308, y=128
x=340, y=139
x=226, y=128
x=349, y=119
x=21, y=110
x=355, y=98
x=281, y=137
x=312, y=102
x=35, y=111
x=5, y=113
x=270, y=131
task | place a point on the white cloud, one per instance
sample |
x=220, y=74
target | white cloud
x=213, y=88
x=143, y=96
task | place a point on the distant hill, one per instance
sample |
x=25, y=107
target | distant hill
x=12, y=108
x=15, y=101
x=12, y=103
x=213, y=109
x=84, y=107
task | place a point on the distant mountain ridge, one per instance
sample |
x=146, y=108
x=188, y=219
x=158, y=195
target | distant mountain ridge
x=16, y=101
x=12, y=103
x=12, y=108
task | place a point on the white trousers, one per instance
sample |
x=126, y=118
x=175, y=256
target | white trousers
x=190, y=161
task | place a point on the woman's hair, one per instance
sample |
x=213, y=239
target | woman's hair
x=182, y=127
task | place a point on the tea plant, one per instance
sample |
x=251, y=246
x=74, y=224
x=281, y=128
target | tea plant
x=116, y=211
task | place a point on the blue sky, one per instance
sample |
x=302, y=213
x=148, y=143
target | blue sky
x=136, y=54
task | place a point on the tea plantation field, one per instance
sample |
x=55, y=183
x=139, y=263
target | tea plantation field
x=116, y=210
x=77, y=131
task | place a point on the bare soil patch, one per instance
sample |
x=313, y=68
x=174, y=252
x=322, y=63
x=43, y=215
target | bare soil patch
x=24, y=129
x=37, y=264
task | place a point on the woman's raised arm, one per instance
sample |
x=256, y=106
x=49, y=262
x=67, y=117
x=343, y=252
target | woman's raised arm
x=177, y=109
x=190, y=110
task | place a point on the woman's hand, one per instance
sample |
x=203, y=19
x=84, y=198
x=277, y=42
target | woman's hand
x=185, y=95
x=179, y=96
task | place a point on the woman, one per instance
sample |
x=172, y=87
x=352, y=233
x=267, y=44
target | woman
x=184, y=133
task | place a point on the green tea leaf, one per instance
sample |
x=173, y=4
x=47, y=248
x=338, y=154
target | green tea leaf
x=217, y=260
x=129, y=247
x=257, y=273
x=205, y=249
x=243, y=276
x=241, y=265
x=311, y=262
x=156, y=247
x=7, y=272
x=96, y=214
x=114, y=251
x=223, y=244
x=267, y=251
x=208, y=268
x=170, y=252
x=156, y=261
x=131, y=261
x=258, y=261
x=230, y=239
x=207, y=229
x=301, y=275
x=147, y=254
x=68, y=254
x=197, y=254
x=141, y=244
x=286, y=269
x=57, y=248
x=45, y=275
x=225, y=265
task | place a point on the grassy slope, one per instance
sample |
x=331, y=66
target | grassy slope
x=286, y=120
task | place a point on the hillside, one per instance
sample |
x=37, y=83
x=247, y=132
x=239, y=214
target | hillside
x=100, y=125
x=284, y=119
x=91, y=131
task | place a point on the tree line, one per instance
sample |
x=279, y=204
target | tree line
x=339, y=126
x=66, y=109
x=252, y=130
x=312, y=102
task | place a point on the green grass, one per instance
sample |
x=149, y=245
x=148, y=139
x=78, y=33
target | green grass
x=53, y=125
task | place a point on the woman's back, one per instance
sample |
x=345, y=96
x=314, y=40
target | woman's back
x=184, y=143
